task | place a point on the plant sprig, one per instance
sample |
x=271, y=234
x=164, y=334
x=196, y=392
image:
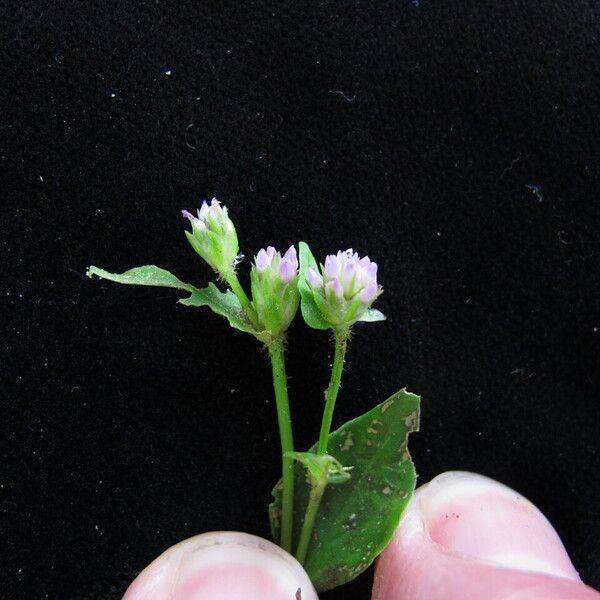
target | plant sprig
x=338, y=504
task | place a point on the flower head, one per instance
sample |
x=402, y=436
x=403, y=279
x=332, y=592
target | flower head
x=213, y=236
x=345, y=288
x=274, y=281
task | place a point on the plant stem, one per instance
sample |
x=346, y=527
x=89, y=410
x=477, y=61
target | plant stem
x=238, y=290
x=314, y=500
x=341, y=342
x=316, y=493
x=277, y=354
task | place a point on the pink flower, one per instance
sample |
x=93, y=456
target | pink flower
x=274, y=281
x=346, y=286
x=286, y=267
x=213, y=236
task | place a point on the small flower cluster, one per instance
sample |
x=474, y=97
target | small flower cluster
x=345, y=288
x=274, y=281
x=213, y=236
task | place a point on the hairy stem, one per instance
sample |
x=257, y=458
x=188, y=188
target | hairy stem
x=314, y=500
x=341, y=343
x=238, y=290
x=277, y=354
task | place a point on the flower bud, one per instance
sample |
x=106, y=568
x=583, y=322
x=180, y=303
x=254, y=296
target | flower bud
x=274, y=282
x=345, y=288
x=213, y=236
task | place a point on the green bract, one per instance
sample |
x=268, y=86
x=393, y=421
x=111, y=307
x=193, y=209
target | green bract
x=322, y=469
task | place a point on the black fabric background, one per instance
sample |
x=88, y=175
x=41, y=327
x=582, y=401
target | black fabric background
x=457, y=143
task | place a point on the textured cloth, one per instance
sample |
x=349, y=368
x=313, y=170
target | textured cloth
x=457, y=143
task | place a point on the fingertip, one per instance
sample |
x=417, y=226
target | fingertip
x=467, y=536
x=223, y=565
x=476, y=516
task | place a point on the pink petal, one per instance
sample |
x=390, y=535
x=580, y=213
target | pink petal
x=314, y=279
x=331, y=265
x=203, y=212
x=467, y=537
x=369, y=293
x=262, y=260
x=291, y=256
x=338, y=288
x=349, y=271
x=334, y=290
x=222, y=565
x=286, y=271
x=364, y=262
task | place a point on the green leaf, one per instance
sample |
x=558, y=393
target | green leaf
x=225, y=304
x=147, y=275
x=356, y=520
x=371, y=315
x=310, y=311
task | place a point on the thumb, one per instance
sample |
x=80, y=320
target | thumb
x=469, y=537
x=223, y=565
